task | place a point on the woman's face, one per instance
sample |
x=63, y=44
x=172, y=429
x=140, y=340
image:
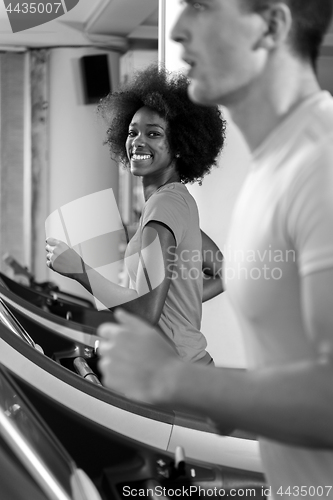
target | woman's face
x=147, y=145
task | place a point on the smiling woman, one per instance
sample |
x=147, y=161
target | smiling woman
x=195, y=134
x=161, y=136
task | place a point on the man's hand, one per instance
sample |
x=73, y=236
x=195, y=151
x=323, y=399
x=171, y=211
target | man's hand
x=63, y=259
x=135, y=359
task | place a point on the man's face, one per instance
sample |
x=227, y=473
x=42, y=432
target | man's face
x=221, y=41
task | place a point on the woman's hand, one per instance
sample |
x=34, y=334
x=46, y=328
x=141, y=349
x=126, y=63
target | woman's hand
x=63, y=259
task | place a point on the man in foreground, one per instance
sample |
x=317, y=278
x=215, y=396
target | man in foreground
x=257, y=58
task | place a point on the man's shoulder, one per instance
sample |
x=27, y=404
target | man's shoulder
x=320, y=123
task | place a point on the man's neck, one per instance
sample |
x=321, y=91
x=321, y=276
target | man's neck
x=272, y=99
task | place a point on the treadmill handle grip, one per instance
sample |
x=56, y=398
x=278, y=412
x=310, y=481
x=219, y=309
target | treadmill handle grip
x=83, y=369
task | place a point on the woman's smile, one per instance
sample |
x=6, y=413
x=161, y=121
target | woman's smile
x=141, y=157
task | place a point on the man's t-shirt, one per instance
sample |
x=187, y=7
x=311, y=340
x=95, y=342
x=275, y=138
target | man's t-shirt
x=173, y=206
x=281, y=231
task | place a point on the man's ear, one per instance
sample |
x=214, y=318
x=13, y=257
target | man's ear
x=278, y=20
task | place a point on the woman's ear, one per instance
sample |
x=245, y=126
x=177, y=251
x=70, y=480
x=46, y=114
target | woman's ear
x=278, y=20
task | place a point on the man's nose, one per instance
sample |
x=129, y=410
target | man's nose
x=178, y=32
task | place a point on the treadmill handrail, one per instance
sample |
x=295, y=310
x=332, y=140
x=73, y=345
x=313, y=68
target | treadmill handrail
x=37, y=468
x=10, y=321
x=72, y=331
x=93, y=316
x=106, y=395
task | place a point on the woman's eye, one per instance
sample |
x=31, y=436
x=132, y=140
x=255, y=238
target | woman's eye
x=131, y=133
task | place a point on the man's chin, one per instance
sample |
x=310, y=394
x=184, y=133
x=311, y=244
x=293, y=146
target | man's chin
x=199, y=94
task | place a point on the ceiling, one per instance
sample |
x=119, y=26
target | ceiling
x=107, y=23
x=115, y=24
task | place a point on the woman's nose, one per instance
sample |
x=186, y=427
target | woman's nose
x=138, y=141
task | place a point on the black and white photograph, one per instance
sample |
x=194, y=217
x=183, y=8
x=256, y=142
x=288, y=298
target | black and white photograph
x=166, y=249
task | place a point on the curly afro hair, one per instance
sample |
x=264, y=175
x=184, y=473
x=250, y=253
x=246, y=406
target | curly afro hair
x=195, y=133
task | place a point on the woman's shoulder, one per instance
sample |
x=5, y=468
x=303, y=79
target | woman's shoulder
x=173, y=199
x=174, y=191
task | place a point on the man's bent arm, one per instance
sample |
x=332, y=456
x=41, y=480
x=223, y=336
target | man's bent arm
x=292, y=404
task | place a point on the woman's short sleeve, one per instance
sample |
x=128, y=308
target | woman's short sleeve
x=170, y=208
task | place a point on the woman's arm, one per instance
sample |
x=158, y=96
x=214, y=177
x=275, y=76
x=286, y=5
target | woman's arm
x=153, y=281
x=211, y=267
x=153, y=278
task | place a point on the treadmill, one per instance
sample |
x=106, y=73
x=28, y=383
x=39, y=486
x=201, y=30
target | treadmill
x=80, y=400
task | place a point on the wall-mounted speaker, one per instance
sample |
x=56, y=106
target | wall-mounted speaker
x=96, y=77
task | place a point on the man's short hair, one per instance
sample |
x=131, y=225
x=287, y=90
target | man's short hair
x=311, y=20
